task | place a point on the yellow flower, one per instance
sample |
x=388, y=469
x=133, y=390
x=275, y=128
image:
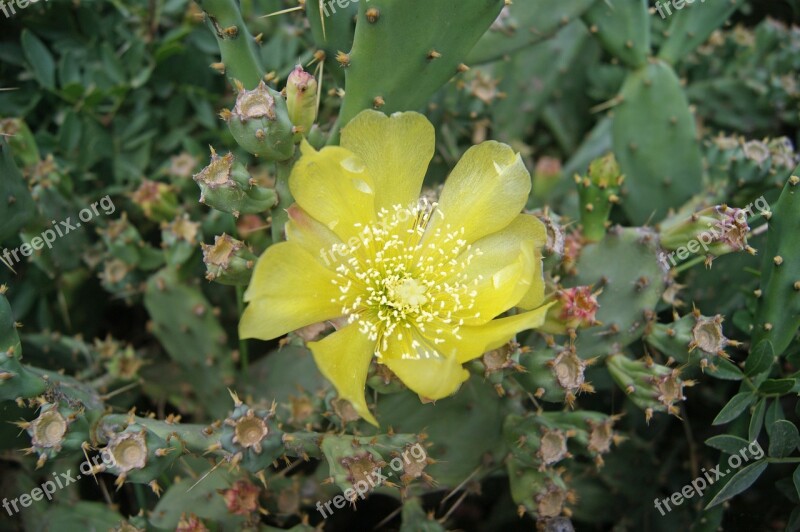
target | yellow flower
x=418, y=284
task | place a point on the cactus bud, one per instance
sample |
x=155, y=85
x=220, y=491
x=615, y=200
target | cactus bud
x=190, y=523
x=652, y=387
x=228, y=261
x=598, y=191
x=226, y=185
x=125, y=364
x=555, y=375
x=182, y=166
x=718, y=230
x=157, y=200
x=47, y=431
x=241, y=498
x=260, y=123
x=546, y=176
x=301, y=100
x=129, y=450
x=250, y=437
x=574, y=307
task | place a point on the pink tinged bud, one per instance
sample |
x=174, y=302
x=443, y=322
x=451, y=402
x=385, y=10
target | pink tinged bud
x=578, y=306
x=301, y=99
x=241, y=498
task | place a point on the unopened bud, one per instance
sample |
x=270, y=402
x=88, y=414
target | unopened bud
x=228, y=261
x=575, y=307
x=301, y=99
x=226, y=186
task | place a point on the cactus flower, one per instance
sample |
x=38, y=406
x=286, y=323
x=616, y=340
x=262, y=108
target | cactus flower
x=417, y=285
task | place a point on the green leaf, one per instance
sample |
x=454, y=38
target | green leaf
x=734, y=408
x=784, y=439
x=774, y=413
x=760, y=359
x=740, y=482
x=777, y=386
x=69, y=136
x=725, y=370
x=757, y=420
x=727, y=443
x=40, y=59
x=796, y=479
x=794, y=521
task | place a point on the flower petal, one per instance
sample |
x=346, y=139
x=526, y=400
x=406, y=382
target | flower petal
x=312, y=236
x=507, y=268
x=485, y=192
x=396, y=150
x=289, y=290
x=333, y=186
x=476, y=340
x=343, y=358
x=531, y=229
x=426, y=372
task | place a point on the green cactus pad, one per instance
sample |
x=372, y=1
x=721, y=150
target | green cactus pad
x=522, y=24
x=409, y=49
x=16, y=205
x=691, y=26
x=778, y=314
x=623, y=27
x=655, y=142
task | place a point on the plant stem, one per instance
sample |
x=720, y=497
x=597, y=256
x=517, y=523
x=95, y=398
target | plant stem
x=244, y=352
x=285, y=199
x=237, y=46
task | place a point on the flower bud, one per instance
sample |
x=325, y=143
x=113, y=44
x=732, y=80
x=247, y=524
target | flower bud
x=157, y=200
x=652, y=387
x=598, y=192
x=226, y=185
x=301, y=99
x=546, y=175
x=719, y=230
x=228, y=261
x=575, y=307
x=260, y=123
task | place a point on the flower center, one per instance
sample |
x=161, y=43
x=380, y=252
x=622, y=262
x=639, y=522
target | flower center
x=406, y=294
x=404, y=285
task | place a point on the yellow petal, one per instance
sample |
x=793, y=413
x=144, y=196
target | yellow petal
x=289, y=289
x=333, y=186
x=343, y=358
x=476, y=340
x=485, y=192
x=396, y=150
x=531, y=229
x=431, y=375
x=507, y=268
x=312, y=236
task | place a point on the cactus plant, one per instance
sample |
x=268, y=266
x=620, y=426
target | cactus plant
x=451, y=265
